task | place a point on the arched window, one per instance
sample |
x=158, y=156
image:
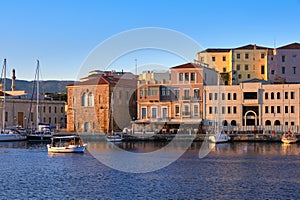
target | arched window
x=278, y=95
x=268, y=123
x=277, y=123
x=86, y=127
x=91, y=99
x=272, y=95
x=233, y=123
x=84, y=99
x=224, y=123
x=266, y=95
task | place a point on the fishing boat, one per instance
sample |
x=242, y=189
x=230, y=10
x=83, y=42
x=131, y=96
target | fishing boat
x=43, y=132
x=289, y=138
x=114, y=138
x=8, y=134
x=66, y=144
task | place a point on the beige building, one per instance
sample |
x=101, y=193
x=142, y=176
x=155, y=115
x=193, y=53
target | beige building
x=254, y=104
x=238, y=64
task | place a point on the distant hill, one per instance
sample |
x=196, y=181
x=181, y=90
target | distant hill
x=51, y=86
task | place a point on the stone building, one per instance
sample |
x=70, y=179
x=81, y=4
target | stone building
x=102, y=102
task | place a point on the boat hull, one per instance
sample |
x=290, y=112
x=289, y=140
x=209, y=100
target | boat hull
x=12, y=137
x=219, y=138
x=114, y=138
x=34, y=137
x=289, y=141
x=68, y=149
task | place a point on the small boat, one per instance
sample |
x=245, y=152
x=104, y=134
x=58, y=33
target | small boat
x=44, y=133
x=289, y=138
x=66, y=144
x=8, y=135
x=114, y=138
x=219, y=138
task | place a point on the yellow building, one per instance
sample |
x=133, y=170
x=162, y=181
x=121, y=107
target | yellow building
x=238, y=64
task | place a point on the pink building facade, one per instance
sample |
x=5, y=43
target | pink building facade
x=284, y=64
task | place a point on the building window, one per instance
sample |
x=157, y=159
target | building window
x=246, y=67
x=238, y=67
x=228, y=109
x=186, y=76
x=283, y=70
x=268, y=123
x=55, y=120
x=229, y=96
x=213, y=59
x=210, y=110
x=238, y=56
x=272, y=109
x=278, y=109
x=292, y=95
x=272, y=95
x=50, y=120
x=278, y=95
x=272, y=72
x=177, y=93
x=177, y=112
x=84, y=99
x=49, y=109
x=216, y=110
x=266, y=95
x=153, y=112
x=223, y=96
x=210, y=96
x=186, y=110
x=262, y=69
x=224, y=58
x=248, y=75
x=286, y=95
x=286, y=109
x=62, y=109
x=292, y=109
x=240, y=76
x=234, y=96
x=55, y=109
x=180, y=76
x=44, y=109
x=186, y=94
x=266, y=109
x=91, y=99
x=216, y=96
x=224, y=69
x=144, y=113
x=196, y=93
x=196, y=110
x=294, y=70
x=192, y=76
x=234, y=109
x=262, y=56
x=164, y=112
x=292, y=123
x=223, y=109
x=246, y=55
x=286, y=123
x=282, y=58
x=294, y=58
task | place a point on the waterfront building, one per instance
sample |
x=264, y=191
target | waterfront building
x=164, y=105
x=99, y=99
x=255, y=104
x=284, y=64
x=238, y=64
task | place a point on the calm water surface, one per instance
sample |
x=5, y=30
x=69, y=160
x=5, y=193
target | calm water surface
x=230, y=171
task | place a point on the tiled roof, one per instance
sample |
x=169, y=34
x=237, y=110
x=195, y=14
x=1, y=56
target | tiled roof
x=215, y=50
x=294, y=45
x=106, y=80
x=251, y=46
x=187, y=65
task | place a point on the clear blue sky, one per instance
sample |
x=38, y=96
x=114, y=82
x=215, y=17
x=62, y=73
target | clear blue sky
x=61, y=33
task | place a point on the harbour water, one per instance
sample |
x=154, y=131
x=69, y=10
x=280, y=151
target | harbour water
x=229, y=171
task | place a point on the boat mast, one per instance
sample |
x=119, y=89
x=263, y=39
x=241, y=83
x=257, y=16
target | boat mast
x=4, y=95
x=37, y=94
x=112, y=112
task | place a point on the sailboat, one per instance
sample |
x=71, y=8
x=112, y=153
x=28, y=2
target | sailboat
x=8, y=134
x=219, y=136
x=43, y=132
x=112, y=137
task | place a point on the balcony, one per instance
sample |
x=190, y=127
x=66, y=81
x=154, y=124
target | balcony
x=186, y=114
x=186, y=98
x=195, y=98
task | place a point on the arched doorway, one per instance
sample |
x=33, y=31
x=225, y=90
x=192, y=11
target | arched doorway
x=268, y=123
x=250, y=118
x=277, y=123
x=233, y=123
x=86, y=127
x=224, y=123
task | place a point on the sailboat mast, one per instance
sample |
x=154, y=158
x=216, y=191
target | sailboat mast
x=218, y=105
x=4, y=94
x=37, y=94
x=112, y=112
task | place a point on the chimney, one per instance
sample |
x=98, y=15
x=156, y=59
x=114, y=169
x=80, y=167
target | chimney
x=13, y=78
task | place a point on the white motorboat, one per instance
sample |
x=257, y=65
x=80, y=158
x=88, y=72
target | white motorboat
x=219, y=138
x=11, y=135
x=66, y=144
x=114, y=138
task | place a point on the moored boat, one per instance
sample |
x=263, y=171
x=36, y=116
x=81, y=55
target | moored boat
x=289, y=138
x=114, y=138
x=66, y=144
x=219, y=138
